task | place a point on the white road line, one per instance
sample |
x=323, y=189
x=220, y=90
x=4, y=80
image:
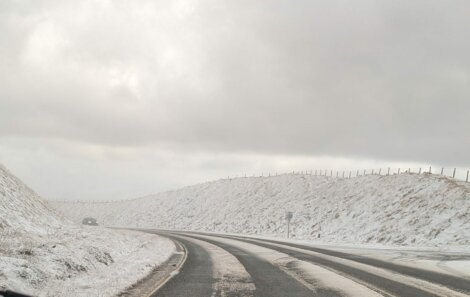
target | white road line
x=174, y=272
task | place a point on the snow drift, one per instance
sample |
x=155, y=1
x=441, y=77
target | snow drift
x=43, y=254
x=405, y=209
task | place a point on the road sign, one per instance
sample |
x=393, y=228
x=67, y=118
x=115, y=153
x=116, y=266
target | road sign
x=289, y=215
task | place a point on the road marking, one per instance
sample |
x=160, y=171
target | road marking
x=172, y=273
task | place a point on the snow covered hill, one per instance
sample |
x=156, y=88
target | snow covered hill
x=43, y=254
x=406, y=209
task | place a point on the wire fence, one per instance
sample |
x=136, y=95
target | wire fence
x=455, y=173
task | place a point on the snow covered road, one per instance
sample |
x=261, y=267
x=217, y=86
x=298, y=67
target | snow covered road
x=228, y=265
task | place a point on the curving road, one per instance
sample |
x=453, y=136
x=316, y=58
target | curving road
x=223, y=265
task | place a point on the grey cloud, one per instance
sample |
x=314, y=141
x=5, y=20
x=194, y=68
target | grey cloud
x=377, y=79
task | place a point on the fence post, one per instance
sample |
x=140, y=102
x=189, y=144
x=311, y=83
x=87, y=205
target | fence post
x=372, y=171
x=442, y=171
x=337, y=173
x=430, y=171
x=343, y=173
x=380, y=171
x=453, y=174
x=357, y=173
x=409, y=170
x=364, y=172
x=388, y=171
x=467, y=176
x=419, y=171
x=349, y=174
x=398, y=170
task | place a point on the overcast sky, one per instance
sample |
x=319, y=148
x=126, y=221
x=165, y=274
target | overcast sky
x=117, y=99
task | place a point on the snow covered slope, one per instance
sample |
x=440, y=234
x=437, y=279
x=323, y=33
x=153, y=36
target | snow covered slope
x=21, y=209
x=45, y=255
x=406, y=209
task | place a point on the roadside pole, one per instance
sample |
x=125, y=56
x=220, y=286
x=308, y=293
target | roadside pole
x=289, y=216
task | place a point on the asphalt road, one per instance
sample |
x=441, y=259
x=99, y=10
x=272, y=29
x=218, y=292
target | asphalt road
x=195, y=279
x=288, y=269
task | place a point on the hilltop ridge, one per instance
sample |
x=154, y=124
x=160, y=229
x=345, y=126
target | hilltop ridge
x=405, y=209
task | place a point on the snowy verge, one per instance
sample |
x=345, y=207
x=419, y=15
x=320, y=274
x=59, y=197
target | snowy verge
x=76, y=261
x=43, y=254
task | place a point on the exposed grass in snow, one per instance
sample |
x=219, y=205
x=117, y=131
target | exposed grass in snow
x=406, y=209
x=45, y=255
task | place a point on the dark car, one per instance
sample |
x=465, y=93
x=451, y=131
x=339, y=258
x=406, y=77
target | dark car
x=90, y=221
